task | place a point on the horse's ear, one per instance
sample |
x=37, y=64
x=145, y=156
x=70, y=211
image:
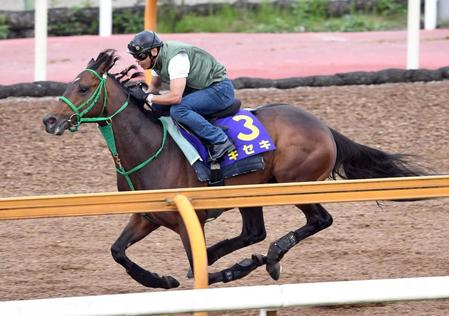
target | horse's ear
x=108, y=63
x=103, y=68
x=90, y=62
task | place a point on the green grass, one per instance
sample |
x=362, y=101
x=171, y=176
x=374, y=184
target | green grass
x=305, y=16
x=360, y=23
x=4, y=28
x=302, y=16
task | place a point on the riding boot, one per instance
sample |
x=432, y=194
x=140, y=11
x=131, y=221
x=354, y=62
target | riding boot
x=218, y=150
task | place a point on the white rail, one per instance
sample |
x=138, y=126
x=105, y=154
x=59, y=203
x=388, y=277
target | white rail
x=236, y=298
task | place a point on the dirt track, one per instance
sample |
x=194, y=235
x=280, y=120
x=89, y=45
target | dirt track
x=71, y=257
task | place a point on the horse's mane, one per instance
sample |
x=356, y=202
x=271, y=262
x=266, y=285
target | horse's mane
x=107, y=58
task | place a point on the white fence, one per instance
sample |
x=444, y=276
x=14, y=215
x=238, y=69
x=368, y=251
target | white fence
x=235, y=298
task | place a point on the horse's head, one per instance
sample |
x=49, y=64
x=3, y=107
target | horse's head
x=84, y=98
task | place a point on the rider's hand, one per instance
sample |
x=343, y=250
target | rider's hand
x=137, y=93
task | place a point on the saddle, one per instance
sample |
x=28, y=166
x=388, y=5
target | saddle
x=243, y=129
x=233, y=109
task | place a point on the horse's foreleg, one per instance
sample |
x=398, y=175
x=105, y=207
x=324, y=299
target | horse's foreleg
x=137, y=228
x=317, y=219
x=253, y=231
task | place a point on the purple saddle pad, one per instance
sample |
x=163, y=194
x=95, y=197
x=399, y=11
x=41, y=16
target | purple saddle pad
x=246, y=132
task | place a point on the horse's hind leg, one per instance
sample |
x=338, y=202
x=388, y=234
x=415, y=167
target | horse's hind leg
x=317, y=219
x=253, y=231
x=137, y=228
x=238, y=270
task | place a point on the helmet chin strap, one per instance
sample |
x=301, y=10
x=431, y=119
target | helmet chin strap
x=153, y=60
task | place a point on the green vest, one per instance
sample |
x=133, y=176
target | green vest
x=204, y=68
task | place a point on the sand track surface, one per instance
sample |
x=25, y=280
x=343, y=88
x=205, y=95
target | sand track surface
x=71, y=256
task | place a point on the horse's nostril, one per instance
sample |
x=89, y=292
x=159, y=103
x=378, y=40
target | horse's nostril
x=50, y=120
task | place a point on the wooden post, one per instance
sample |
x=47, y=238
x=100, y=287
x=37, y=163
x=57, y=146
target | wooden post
x=197, y=243
x=150, y=22
x=150, y=18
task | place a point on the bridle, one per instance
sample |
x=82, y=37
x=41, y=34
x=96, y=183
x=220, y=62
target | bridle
x=77, y=118
x=106, y=129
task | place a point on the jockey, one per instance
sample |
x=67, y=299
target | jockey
x=198, y=86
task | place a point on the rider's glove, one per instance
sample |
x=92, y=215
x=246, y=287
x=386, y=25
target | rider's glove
x=140, y=96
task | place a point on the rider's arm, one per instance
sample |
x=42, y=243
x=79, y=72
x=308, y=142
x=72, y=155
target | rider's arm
x=178, y=69
x=174, y=95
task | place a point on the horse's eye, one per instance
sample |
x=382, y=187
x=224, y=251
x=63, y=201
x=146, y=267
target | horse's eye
x=83, y=89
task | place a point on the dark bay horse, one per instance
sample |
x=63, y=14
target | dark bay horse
x=307, y=150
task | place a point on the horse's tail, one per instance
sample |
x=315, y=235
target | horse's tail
x=357, y=161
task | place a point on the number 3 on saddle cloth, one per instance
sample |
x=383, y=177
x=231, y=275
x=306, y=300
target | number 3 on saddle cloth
x=249, y=137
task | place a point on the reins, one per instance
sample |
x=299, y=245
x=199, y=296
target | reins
x=106, y=129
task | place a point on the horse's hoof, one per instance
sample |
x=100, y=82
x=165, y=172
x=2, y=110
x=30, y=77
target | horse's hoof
x=274, y=270
x=190, y=274
x=170, y=282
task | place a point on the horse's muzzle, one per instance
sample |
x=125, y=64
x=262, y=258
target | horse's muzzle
x=54, y=124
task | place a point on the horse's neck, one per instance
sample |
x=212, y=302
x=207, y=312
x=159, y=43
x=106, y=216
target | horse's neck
x=137, y=138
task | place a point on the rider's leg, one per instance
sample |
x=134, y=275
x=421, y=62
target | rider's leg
x=217, y=97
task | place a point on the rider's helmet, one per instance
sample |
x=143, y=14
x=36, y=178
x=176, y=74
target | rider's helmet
x=142, y=43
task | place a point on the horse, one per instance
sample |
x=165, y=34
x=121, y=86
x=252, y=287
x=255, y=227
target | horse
x=306, y=150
